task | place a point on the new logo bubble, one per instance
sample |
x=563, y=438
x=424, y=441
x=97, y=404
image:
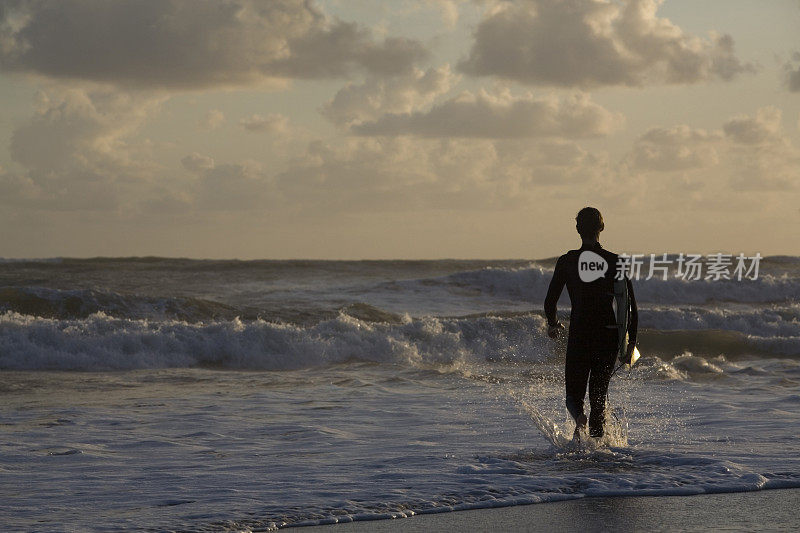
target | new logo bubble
x=591, y=266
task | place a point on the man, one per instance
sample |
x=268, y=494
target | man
x=591, y=345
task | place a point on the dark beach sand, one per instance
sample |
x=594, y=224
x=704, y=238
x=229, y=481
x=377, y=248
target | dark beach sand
x=768, y=510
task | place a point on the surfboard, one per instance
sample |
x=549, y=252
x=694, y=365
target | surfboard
x=622, y=309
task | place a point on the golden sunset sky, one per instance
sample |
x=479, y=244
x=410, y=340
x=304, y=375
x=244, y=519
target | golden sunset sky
x=397, y=129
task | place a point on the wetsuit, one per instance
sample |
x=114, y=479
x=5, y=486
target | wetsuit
x=591, y=346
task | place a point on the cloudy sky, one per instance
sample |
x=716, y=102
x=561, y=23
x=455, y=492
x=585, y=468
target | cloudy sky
x=397, y=129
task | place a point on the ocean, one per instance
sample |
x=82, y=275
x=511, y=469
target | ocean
x=202, y=395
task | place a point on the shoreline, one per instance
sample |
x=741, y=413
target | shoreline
x=761, y=510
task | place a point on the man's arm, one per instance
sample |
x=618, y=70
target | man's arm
x=554, y=292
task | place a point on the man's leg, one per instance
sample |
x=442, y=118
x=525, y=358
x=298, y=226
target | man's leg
x=601, y=368
x=576, y=374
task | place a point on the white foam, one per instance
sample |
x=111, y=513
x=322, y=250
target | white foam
x=772, y=321
x=100, y=342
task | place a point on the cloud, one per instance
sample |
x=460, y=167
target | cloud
x=792, y=70
x=748, y=154
x=76, y=150
x=794, y=80
x=197, y=163
x=234, y=187
x=213, y=119
x=407, y=173
x=762, y=157
x=72, y=190
x=763, y=127
x=590, y=43
x=76, y=126
x=484, y=115
x=273, y=123
x=673, y=149
x=191, y=43
x=449, y=10
x=17, y=189
x=376, y=96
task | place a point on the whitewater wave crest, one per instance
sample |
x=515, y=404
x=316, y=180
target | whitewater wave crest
x=101, y=342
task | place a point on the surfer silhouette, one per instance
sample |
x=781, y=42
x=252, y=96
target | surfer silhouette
x=592, y=344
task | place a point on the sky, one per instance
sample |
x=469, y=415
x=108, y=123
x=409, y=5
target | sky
x=397, y=129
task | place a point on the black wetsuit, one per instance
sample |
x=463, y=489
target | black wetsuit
x=591, y=345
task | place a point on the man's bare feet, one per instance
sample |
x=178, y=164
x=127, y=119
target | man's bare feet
x=580, y=424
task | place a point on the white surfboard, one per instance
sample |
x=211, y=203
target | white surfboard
x=622, y=309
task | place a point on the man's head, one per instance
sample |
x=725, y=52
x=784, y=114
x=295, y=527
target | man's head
x=589, y=223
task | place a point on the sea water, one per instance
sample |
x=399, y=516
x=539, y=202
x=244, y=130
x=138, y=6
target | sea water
x=160, y=394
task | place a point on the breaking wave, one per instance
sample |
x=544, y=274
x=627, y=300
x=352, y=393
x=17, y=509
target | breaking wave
x=100, y=342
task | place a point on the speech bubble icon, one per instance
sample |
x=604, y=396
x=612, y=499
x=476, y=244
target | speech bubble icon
x=591, y=266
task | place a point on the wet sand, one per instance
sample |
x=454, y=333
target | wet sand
x=768, y=510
